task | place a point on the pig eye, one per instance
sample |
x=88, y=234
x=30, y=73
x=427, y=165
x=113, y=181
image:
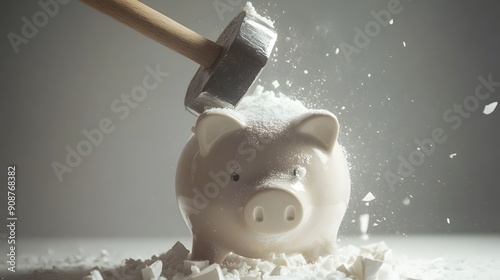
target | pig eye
x=235, y=177
x=299, y=172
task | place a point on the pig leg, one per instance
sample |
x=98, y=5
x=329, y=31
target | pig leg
x=322, y=247
x=206, y=250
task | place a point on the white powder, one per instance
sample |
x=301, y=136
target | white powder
x=250, y=11
x=266, y=112
x=406, y=201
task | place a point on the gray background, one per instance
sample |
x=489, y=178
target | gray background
x=65, y=78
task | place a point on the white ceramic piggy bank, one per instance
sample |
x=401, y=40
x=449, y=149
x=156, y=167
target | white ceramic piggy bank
x=267, y=178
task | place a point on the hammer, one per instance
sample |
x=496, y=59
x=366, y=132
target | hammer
x=228, y=67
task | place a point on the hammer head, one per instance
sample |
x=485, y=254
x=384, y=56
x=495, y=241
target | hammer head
x=246, y=43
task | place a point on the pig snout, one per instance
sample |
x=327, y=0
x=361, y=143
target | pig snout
x=273, y=211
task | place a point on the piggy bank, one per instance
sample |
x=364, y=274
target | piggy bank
x=259, y=181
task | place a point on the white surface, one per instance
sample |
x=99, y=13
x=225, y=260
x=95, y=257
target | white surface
x=453, y=256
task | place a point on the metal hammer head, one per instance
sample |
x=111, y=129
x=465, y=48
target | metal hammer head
x=246, y=43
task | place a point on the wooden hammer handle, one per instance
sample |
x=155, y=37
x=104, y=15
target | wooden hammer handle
x=160, y=28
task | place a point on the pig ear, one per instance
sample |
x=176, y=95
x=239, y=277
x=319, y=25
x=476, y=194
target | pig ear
x=212, y=126
x=322, y=126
